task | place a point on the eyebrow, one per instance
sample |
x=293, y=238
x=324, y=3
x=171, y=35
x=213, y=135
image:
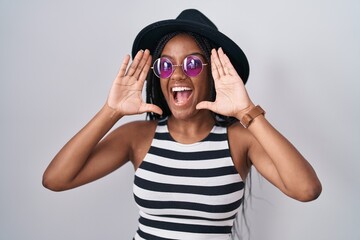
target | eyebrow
x=195, y=53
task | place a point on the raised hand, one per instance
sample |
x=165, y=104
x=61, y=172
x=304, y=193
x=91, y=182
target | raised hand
x=125, y=96
x=231, y=96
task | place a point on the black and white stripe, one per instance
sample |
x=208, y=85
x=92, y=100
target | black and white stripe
x=187, y=191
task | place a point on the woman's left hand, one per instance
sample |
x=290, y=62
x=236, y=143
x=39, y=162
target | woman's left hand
x=231, y=96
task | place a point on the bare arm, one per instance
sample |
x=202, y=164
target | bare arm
x=270, y=152
x=85, y=158
x=281, y=163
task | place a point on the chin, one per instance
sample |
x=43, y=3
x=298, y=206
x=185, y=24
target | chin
x=184, y=114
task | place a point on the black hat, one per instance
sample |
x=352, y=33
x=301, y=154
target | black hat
x=192, y=20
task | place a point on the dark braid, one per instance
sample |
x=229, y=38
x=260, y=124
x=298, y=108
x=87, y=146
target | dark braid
x=154, y=94
x=206, y=46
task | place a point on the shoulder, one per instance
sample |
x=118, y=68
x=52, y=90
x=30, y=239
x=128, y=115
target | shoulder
x=239, y=137
x=138, y=135
x=136, y=130
x=139, y=126
x=236, y=131
x=240, y=141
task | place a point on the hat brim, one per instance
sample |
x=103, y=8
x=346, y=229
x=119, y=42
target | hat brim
x=149, y=37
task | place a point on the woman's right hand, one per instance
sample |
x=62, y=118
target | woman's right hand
x=125, y=97
x=88, y=155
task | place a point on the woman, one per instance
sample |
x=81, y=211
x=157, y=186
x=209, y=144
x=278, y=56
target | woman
x=203, y=134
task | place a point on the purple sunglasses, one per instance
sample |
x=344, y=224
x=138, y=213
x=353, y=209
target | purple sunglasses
x=164, y=68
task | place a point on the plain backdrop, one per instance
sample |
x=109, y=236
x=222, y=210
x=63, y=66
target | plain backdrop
x=59, y=58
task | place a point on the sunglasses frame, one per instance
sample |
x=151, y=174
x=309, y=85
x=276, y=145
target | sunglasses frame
x=173, y=66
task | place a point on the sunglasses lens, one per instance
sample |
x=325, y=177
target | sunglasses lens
x=163, y=67
x=192, y=65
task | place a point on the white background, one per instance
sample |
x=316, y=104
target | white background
x=57, y=62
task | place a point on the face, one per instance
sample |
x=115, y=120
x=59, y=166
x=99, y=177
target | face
x=182, y=92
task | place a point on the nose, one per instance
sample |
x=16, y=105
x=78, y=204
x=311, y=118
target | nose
x=178, y=73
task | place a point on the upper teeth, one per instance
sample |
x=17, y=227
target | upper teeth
x=179, y=89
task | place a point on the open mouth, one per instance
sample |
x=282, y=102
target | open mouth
x=181, y=94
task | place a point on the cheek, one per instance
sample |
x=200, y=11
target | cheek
x=210, y=83
x=208, y=89
x=206, y=83
x=163, y=85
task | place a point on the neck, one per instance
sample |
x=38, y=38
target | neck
x=191, y=130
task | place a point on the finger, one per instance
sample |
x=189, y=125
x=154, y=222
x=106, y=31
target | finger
x=206, y=105
x=217, y=63
x=143, y=61
x=135, y=63
x=147, y=107
x=214, y=69
x=223, y=60
x=229, y=68
x=146, y=68
x=124, y=66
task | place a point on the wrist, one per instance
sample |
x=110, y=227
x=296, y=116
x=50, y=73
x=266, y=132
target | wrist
x=249, y=114
x=244, y=111
x=111, y=112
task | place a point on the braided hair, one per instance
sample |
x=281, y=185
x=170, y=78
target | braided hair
x=154, y=94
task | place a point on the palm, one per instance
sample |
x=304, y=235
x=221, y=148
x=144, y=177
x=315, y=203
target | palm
x=231, y=95
x=125, y=95
x=228, y=95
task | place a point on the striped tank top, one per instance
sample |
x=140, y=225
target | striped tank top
x=187, y=191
